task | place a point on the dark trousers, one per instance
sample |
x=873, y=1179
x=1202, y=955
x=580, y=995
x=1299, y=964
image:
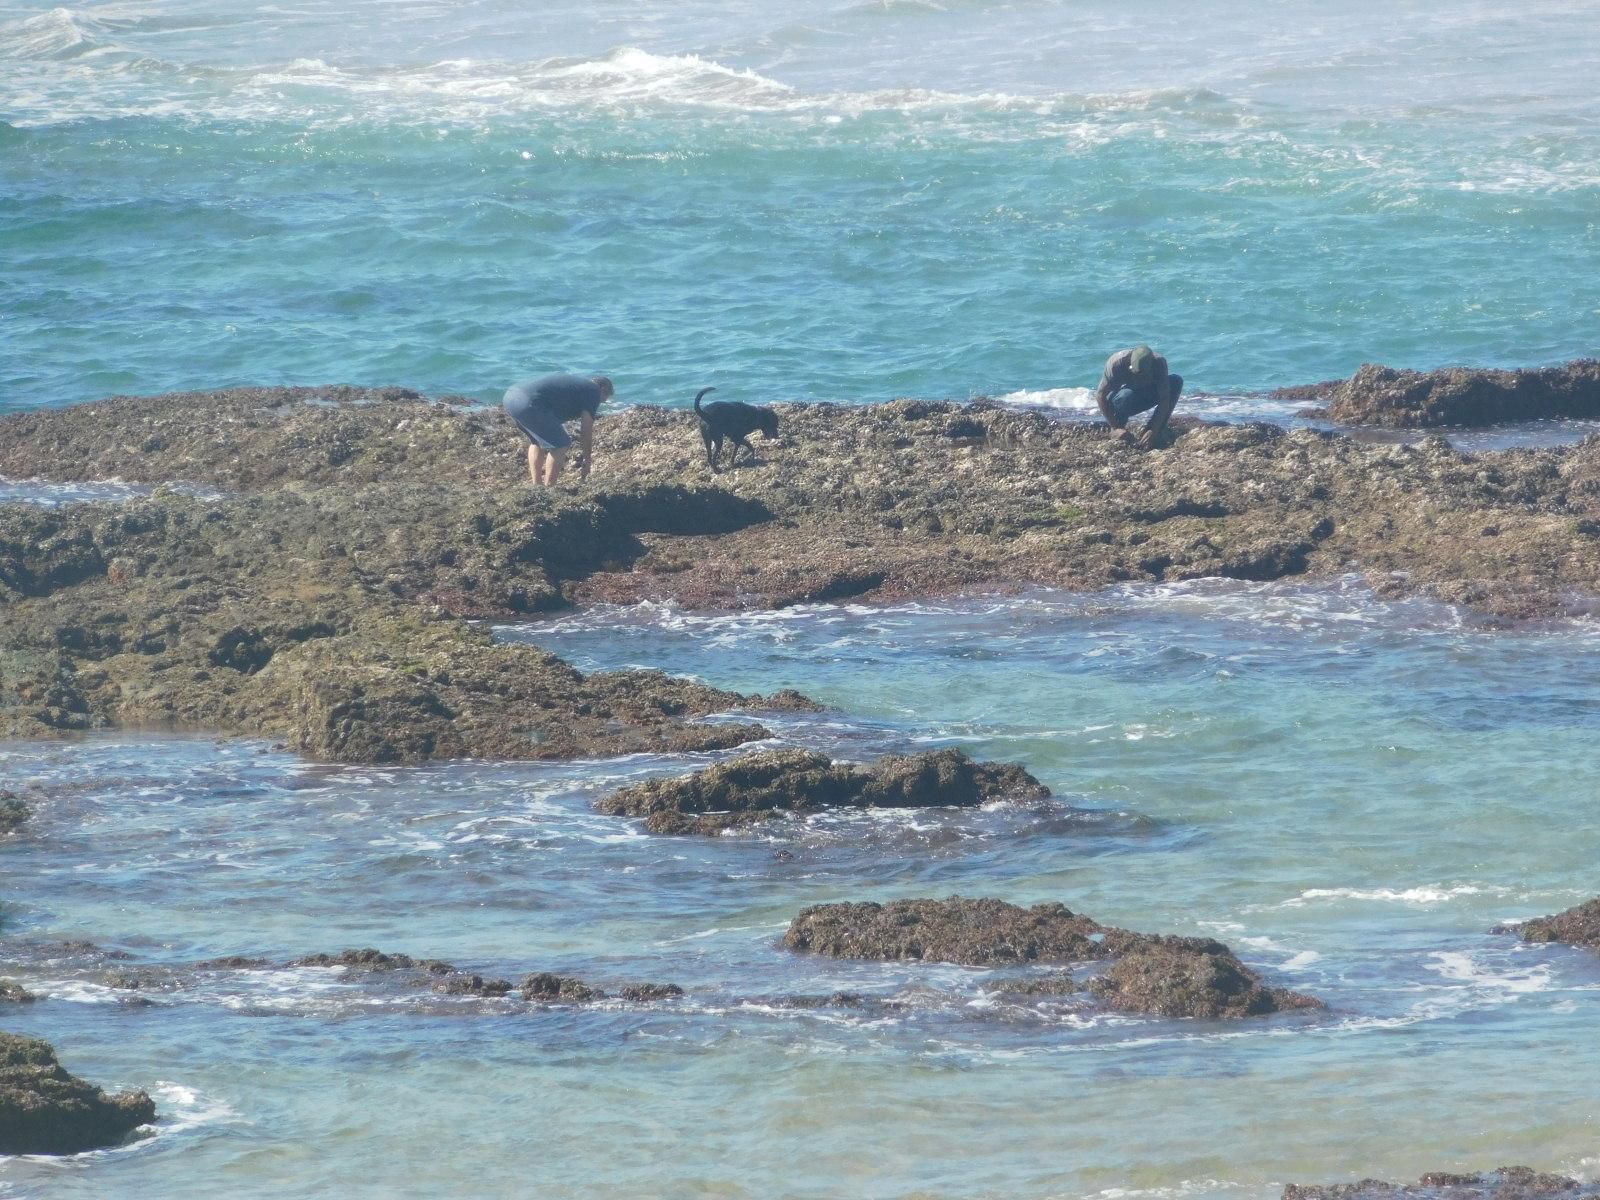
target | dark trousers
x=1127, y=402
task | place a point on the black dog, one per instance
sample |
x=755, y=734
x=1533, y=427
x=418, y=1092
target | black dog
x=734, y=421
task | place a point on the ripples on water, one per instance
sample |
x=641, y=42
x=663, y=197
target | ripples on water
x=834, y=200
x=1350, y=792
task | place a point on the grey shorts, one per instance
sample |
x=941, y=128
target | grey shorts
x=541, y=427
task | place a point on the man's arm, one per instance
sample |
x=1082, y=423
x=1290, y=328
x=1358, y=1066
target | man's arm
x=1158, y=419
x=586, y=443
x=1109, y=382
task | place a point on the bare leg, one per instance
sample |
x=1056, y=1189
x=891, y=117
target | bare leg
x=554, y=461
x=535, y=463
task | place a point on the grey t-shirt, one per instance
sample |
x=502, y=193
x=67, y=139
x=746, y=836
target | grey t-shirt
x=565, y=397
x=1119, y=374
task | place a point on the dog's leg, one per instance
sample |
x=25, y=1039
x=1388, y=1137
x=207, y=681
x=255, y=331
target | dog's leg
x=711, y=458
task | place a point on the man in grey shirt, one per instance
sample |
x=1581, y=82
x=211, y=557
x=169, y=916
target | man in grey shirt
x=1136, y=381
x=541, y=408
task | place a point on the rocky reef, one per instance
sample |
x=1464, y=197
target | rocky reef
x=1153, y=974
x=539, y=987
x=323, y=598
x=1505, y=1183
x=44, y=1109
x=1399, y=399
x=1577, y=926
x=768, y=783
x=12, y=992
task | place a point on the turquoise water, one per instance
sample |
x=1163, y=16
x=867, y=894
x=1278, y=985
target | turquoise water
x=846, y=201
x=1351, y=793
x=842, y=201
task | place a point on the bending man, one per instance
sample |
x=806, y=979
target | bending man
x=1136, y=381
x=542, y=407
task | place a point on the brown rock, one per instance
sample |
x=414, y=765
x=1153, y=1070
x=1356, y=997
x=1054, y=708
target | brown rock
x=649, y=993
x=754, y=787
x=1577, y=926
x=13, y=812
x=46, y=1110
x=957, y=930
x=1189, y=977
x=562, y=989
x=375, y=960
x=1385, y=396
x=1506, y=1183
x=472, y=985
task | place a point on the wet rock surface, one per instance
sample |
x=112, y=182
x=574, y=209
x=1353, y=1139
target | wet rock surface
x=1189, y=977
x=1577, y=926
x=46, y=1110
x=375, y=960
x=321, y=600
x=1151, y=974
x=13, y=812
x=971, y=932
x=1505, y=1183
x=1400, y=399
x=12, y=992
x=754, y=787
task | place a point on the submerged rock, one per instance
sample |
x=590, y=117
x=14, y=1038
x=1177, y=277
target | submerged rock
x=1505, y=1183
x=649, y=993
x=12, y=992
x=755, y=787
x=1189, y=977
x=972, y=932
x=552, y=988
x=831, y=1000
x=46, y=1110
x=13, y=812
x=1154, y=974
x=1377, y=395
x=472, y=985
x=375, y=960
x=1577, y=926
x=232, y=962
x=1036, y=986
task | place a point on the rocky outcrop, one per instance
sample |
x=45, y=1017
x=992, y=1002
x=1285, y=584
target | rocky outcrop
x=12, y=992
x=1189, y=977
x=1152, y=974
x=1577, y=926
x=320, y=601
x=46, y=1110
x=1506, y=1183
x=13, y=812
x=1400, y=399
x=972, y=932
x=769, y=783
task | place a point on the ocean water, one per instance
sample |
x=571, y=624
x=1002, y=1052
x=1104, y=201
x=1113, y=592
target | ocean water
x=838, y=200
x=850, y=202
x=1349, y=792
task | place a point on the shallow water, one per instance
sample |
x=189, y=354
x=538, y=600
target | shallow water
x=1349, y=792
x=832, y=199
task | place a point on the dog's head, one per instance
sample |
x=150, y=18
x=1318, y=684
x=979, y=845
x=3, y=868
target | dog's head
x=769, y=423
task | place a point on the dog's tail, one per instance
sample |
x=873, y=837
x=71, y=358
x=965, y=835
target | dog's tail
x=697, y=398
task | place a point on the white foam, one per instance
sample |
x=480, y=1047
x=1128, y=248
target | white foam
x=1464, y=968
x=1424, y=895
